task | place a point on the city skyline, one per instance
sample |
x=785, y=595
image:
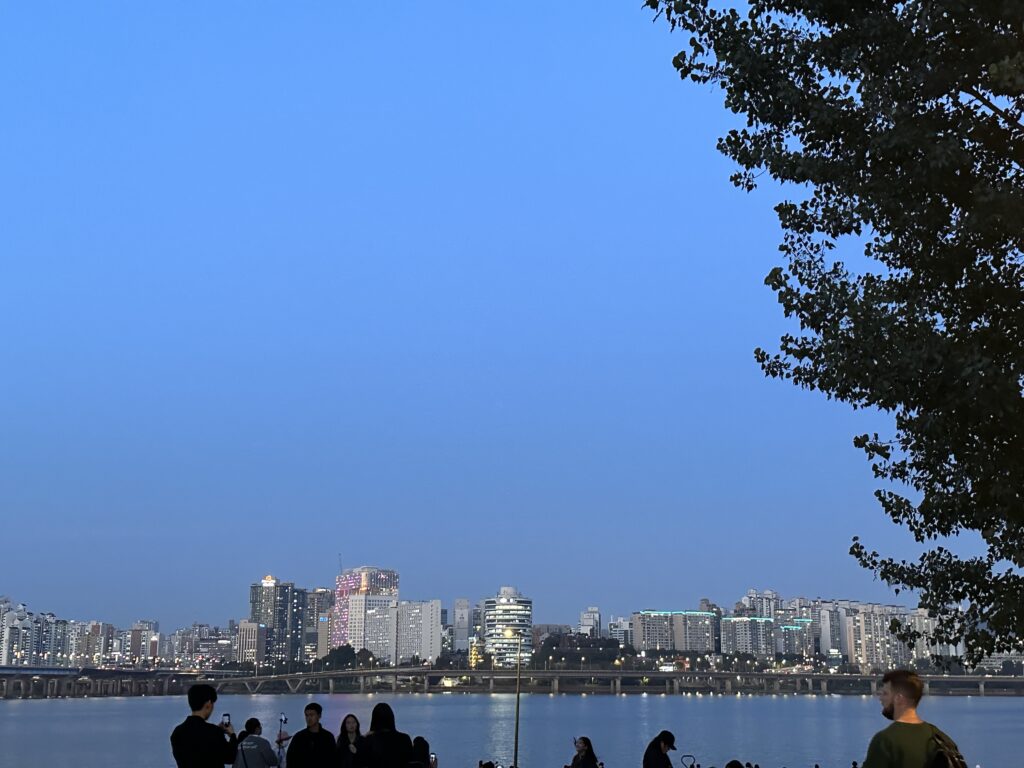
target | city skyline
x=291, y=625
x=126, y=615
x=571, y=618
x=478, y=324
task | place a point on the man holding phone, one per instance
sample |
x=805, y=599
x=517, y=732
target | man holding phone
x=197, y=743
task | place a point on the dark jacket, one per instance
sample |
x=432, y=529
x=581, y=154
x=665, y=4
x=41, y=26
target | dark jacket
x=584, y=761
x=311, y=750
x=199, y=744
x=655, y=758
x=345, y=758
x=389, y=749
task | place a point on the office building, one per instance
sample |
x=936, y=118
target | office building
x=281, y=607
x=417, y=627
x=508, y=620
x=590, y=622
x=252, y=643
x=364, y=580
x=461, y=625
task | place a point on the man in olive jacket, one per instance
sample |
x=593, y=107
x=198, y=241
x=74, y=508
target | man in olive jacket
x=909, y=742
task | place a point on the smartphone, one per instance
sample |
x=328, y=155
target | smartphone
x=225, y=719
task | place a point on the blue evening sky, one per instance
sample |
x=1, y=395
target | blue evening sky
x=460, y=289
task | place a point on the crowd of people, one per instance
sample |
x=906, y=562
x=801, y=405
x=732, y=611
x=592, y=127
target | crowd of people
x=197, y=743
x=909, y=742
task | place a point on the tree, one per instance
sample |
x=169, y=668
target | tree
x=901, y=125
x=342, y=657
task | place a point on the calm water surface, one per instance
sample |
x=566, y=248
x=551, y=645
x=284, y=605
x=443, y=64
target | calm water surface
x=793, y=731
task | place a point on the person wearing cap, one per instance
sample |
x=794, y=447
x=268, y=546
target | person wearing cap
x=656, y=755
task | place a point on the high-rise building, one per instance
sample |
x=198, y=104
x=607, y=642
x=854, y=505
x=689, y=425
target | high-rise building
x=370, y=624
x=872, y=644
x=795, y=638
x=460, y=625
x=476, y=620
x=694, y=631
x=749, y=634
x=652, y=630
x=252, y=642
x=51, y=641
x=323, y=634
x=417, y=630
x=921, y=622
x=830, y=637
x=281, y=607
x=678, y=630
x=763, y=604
x=318, y=601
x=508, y=619
x=364, y=580
x=590, y=622
x=707, y=606
x=621, y=629
x=17, y=638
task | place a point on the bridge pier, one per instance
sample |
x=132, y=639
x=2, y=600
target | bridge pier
x=728, y=685
x=927, y=687
x=824, y=685
x=981, y=687
x=810, y=685
x=676, y=686
x=491, y=685
x=362, y=683
x=426, y=684
x=874, y=686
x=394, y=682
x=554, y=685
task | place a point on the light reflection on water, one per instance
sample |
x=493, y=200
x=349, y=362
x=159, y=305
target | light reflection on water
x=774, y=731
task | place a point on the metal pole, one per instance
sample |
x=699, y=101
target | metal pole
x=519, y=670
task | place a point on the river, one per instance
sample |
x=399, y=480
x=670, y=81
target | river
x=773, y=731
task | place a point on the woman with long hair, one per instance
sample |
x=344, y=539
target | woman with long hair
x=387, y=746
x=352, y=748
x=584, y=757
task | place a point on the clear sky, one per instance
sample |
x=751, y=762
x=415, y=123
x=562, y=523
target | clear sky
x=460, y=289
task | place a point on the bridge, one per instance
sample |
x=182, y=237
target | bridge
x=75, y=682
x=425, y=680
x=58, y=682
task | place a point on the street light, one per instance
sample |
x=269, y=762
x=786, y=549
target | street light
x=582, y=659
x=519, y=670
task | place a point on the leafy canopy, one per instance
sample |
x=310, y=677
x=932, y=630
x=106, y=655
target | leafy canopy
x=902, y=124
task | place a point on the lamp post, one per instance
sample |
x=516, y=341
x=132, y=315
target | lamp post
x=519, y=672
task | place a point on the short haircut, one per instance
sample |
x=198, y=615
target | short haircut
x=734, y=764
x=906, y=682
x=315, y=707
x=199, y=694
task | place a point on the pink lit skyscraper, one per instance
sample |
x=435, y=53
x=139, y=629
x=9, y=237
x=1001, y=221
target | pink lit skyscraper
x=364, y=580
